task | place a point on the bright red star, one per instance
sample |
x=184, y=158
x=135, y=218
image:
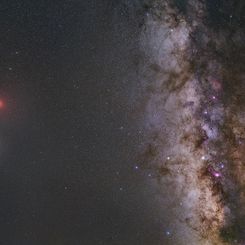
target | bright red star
x=1, y=104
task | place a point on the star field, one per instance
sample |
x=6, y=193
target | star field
x=122, y=122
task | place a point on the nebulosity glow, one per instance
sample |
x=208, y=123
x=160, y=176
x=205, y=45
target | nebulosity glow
x=213, y=172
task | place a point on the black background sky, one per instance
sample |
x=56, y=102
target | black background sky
x=67, y=132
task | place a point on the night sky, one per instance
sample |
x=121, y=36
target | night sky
x=122, y=122
x=67, y=137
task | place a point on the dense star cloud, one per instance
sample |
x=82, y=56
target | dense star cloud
x=193, y=80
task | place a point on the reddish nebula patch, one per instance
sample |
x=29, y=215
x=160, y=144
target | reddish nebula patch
x=216, y=84
x=213, y=172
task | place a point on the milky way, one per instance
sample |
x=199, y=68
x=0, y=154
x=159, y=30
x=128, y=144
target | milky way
x=193, y=101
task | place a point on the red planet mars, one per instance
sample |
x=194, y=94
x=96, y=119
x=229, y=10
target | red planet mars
x=1, y=104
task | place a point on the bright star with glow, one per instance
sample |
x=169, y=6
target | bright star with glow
x=1, y=104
